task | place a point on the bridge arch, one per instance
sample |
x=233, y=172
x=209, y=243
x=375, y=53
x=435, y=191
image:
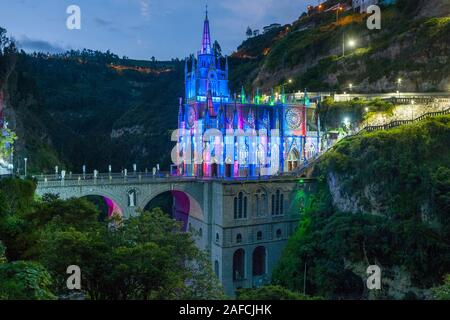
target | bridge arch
x=114, y=205
x=186, y=207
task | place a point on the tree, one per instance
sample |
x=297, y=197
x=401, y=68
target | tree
x=7, y=139
x=2, y=253
x=443, y=292
x=249, y=32
x=24, y=281
x=145, y=257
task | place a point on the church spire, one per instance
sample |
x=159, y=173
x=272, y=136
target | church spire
x=206, y=41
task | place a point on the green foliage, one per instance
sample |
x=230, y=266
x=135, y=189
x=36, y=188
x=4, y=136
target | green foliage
x=7, y=139
x=443, y=292
x=2, y=253
x=333, y=113
x=410, y=164
x=16, y=199
x=23, y=280
x=98, y=88
x=401, y=162
x=270, y=293
x=144, y=257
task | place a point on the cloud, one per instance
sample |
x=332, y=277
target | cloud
x=145, y=8
x=37, y=45
x=102, y=22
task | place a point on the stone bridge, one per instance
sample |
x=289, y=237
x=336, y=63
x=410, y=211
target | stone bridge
x=243, y=224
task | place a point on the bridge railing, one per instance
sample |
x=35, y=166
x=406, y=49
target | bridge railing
x=49, y=181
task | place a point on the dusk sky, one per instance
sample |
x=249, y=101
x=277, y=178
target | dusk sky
x=140, y=28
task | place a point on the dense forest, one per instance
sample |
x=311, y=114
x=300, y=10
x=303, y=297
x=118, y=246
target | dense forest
x=147, y=257
x=383, y=199
x=91, y=108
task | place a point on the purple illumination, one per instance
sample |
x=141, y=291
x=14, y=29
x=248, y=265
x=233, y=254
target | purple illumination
x=206, y=41
x=113, y=208
x=182, y=207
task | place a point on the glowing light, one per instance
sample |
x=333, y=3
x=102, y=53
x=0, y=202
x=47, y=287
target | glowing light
x=352, y=43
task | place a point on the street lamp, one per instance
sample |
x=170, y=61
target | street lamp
x=399, y=84
x=351, y=86
x=351, y=43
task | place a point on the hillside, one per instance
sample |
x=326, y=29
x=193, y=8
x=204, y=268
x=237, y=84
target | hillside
x=384, y=199
x=413, y=44
x=93, y=108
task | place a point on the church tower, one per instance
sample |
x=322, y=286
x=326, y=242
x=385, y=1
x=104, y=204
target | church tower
x=207, y=76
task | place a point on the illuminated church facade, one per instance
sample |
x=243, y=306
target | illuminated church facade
x=227, y=135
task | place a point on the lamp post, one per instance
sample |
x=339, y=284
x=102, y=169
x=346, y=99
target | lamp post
x=25, y=160
x=340, y=8
x=351, y=43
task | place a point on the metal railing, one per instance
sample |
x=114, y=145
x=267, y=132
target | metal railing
x=398, y=123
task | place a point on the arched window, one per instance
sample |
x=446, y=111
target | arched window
x=239, y=265
x=259, y=261
x=217, y=238
x=241, y=197
x=273, y=204
x=293, y=160
x=277, y=203
x=239, y=238
x=200, y=232
x=279, y=233
x=259, y=236
x=260, y=203
x=240, y=206
x=281, y=204
x=245, y=207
